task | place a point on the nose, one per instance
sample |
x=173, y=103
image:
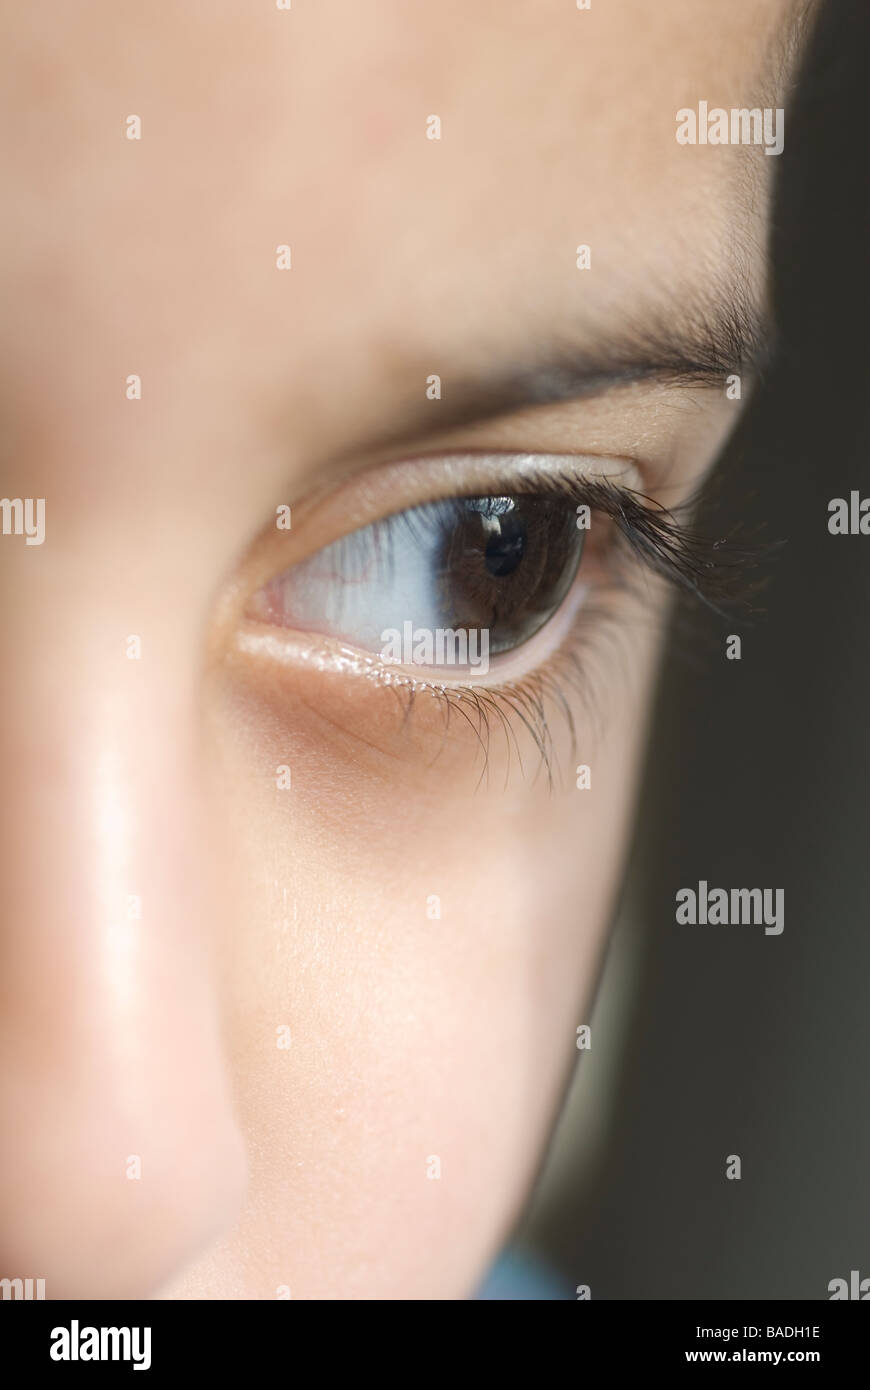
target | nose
x=119, y=1153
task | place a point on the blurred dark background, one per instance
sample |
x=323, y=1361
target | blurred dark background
x=710, y=1041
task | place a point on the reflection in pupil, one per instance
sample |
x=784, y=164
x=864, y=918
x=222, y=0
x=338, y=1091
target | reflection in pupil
x=504, y=550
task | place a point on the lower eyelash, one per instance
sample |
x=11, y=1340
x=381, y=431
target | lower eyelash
x=652, y=539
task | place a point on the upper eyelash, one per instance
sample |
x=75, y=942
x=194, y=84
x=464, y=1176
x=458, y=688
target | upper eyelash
x=720, y=572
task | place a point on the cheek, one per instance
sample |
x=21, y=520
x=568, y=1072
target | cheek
x=402, y=989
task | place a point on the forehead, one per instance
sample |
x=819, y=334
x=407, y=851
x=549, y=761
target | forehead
x=309, y=128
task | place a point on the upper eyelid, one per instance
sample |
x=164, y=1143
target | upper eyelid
x=438, y=475
x=333, y=512
x=656, y=536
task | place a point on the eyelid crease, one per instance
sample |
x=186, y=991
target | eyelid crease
x=460, y=473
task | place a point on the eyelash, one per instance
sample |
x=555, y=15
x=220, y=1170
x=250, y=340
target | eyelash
x=650, y=537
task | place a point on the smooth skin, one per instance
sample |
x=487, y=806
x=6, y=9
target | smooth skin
x=286, y=1037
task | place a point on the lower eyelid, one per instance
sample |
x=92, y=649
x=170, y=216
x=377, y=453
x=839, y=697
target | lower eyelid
x=341, y=704
x=319, y=653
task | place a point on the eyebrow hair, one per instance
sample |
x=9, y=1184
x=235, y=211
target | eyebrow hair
x=697, y=341
x=784, y=56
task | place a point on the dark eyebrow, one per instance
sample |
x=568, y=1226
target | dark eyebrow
x=698, y=344
x=681, y=339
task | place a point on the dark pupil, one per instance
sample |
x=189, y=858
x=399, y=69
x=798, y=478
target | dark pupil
x=506, y=564
x=505, y=548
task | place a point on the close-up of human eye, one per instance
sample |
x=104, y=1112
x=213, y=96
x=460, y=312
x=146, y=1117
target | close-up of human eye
x=448, y=585
x=432, y=577
x=454, y=590
x=490, y=604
